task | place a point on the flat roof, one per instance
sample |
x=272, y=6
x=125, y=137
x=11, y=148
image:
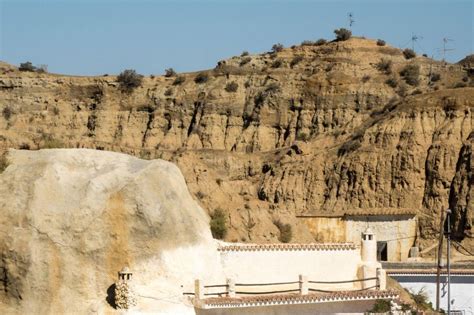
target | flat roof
x=288, y=299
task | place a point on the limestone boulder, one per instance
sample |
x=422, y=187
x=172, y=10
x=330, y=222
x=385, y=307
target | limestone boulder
x=72, y=218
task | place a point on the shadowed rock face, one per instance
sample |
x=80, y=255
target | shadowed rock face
x=323, y=135
x=72, y=218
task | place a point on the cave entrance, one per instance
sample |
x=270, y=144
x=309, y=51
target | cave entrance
x=382, y=251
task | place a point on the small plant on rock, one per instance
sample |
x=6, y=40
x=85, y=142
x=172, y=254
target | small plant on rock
x=384, y=66
x=277, y=48
x=202, y=77
x=411, y=74
x=320, y=42
x=380, y=42
x=170, y=72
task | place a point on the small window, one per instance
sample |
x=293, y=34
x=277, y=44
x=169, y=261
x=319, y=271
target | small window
x=382, y=251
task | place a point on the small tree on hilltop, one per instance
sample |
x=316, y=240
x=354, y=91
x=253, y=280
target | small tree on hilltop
x=27, y=66
x=129, y=80
x=277, y=47
x=409, y=53
x=170, y=72
x=342, y=34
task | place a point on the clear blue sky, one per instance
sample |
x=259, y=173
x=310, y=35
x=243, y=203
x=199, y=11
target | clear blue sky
x=104, y=36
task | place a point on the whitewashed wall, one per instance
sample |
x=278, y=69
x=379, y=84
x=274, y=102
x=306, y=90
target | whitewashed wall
x=399, y=232
x=265, y=266
x=462, y=290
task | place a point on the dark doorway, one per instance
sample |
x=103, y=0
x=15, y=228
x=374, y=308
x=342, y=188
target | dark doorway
x=382, y=251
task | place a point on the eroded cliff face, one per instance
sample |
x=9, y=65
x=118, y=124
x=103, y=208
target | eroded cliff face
x=310, y=129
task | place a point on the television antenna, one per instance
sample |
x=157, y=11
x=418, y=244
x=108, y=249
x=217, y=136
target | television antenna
x=445, y=42
x=414, y=39
x=350, y=17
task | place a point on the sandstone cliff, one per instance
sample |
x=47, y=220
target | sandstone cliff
x=71, y=219
x=316, y=129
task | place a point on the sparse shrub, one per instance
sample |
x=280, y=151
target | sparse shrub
x=342, y=34
x=381, y=306
x=277, y=63
x=170, y=72
x=307, y=43
x=202, y=77
x=56, y=111
x=27, y=66
x=320, y=42
x=302, y=136
x=200, y=195
x=411, y=74
x=277, y=48
x=218, y=224
x=179, y=80
x=421, y=300
x=286, y=231
x=384, y=65
x=435, y=77
x=380, y=42
x=129, y=80
x=460, y=85
x=7, y=112
x=3, y=163
x=51, y=143
x=296, y=60
x=365, y=78
x=392, y=82
x=409, y=53
x=232, y=87
x=244, y=53
x=245, y=61
x=169, y=92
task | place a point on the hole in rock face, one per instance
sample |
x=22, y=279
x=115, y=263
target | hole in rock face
x=111, y=296
x=382, y=251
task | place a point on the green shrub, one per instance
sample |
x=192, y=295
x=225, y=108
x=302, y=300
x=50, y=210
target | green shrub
x=342, y=34
x=384, y=65
x=27, y=66
x=3, y=163
x=296, y=60
x=380, y=306
x=435, y=77
x=320, y=42
x=307, y=43
x=286, y=231
x=409, y=53
x=129, y=80
x=411, y=74
x=245, y=61
x=392, y=82
x=302, y=136
x=170, y=72
x=7, y=112
x=218, y=224
x=231, y=87
x=179, y=80
x=277, y=47
x=244, y=53
x=380, y=42
x=277, y=63
x=202, y=77
x=460, y=85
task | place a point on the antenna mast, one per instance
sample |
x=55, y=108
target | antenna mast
x=414, y=39
x=445, y=41
x=350, y=17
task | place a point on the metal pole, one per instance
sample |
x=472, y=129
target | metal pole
x=448, y=238
x=440, y=256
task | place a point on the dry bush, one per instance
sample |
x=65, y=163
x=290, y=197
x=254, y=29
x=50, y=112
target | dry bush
x=232, y=87
x=409, y=53
x=384, y=66
x=342, y=34
x=218, y=224
x=411, y=74
x=129, y=80
x=286, y=231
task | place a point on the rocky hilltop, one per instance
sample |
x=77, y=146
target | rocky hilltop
x=316, y=128
x=71, y=219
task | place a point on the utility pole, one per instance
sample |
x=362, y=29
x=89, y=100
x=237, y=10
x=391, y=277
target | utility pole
x=414, y=38
x=440, y=256
x=448, y=267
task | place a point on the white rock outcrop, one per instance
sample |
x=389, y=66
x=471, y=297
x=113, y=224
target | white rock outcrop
x=72, y=218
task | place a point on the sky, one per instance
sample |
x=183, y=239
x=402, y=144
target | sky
x=107, y=36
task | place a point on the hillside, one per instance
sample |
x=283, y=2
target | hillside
x=310, y=129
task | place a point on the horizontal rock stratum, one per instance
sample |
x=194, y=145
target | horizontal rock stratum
x=72, y=218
